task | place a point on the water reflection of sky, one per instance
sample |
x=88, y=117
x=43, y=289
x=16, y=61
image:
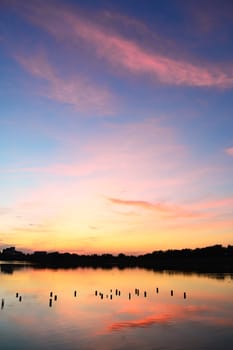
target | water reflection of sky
x=159, y=321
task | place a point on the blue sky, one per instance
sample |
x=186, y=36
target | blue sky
x=118, y=116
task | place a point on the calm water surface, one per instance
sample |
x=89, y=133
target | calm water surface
x=204, y=320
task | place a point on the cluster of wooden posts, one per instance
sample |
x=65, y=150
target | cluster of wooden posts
x=117, y=292
x=130, y=294
x=52, y=297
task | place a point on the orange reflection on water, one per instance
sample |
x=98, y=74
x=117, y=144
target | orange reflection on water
x=147, y=321
x=87, y=317
x=194, y=313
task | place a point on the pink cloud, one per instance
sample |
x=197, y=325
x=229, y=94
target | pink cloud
x=124, y=21
x=68, y=25
x=166, y=209
x=77, y=91
x=229, y=151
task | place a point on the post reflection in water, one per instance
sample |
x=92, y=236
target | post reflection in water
x=115, y=309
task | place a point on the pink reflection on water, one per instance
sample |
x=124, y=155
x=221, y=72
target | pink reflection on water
x=101, y=323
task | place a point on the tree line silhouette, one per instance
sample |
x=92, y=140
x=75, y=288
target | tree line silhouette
x=213, y=258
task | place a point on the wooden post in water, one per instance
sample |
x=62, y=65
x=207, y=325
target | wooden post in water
x=51, y=294
x=184, y=295
x=157, y=290
x=96, y=293
x=50, y=302
x=145, y=294
x=129, y=296
x=111, y=296
x=119, y=293
x=171, y=293
x=20, y=298
x=116, y=291
x=55, y=297
x=2, y=304
x=75, y=293
x=17, y=294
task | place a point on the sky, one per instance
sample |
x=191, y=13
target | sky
x=116, y=125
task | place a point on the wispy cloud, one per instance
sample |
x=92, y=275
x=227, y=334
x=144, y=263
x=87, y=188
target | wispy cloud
x=163, y=208
x=199, y=209
x=78, y=91
x=119, y=51
x=229, y=151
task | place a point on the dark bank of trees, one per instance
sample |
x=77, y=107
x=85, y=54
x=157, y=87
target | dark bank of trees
x=209, y=259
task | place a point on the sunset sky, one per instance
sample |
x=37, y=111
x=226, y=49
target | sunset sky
x=116, y=125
